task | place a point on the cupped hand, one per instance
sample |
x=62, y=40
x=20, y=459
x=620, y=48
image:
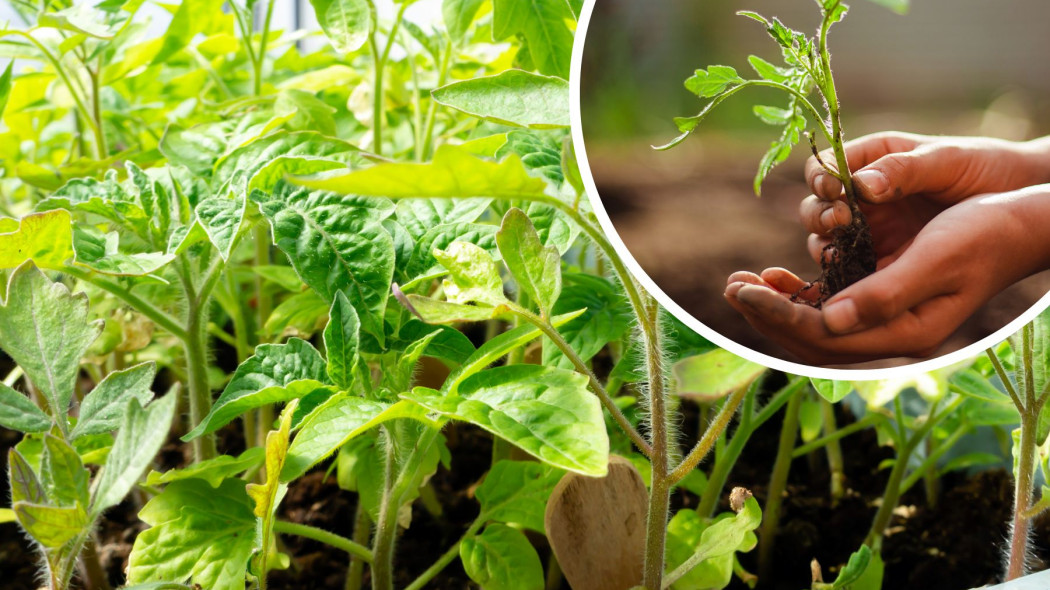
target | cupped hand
x=923, y=290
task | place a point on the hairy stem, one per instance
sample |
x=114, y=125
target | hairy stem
x=712, y=433
x=660, y=490
x=1023, y=488
x=386, y=527
x=357, y=550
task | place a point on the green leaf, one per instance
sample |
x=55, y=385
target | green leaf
x=266, y=495
x=420, y=216
x=453, y=173
x=713, y=375
x=535, y=267
x=833, y=391
x=440, y=237
x=712, y=81
x=502, y=557
x=198, y=533
x=275, y=373
x=780, y=149
x=898, y=6
x=141, y=435
x=810, y=419
x=514, y=97
x=62, y=473
x=474, y=275
x=772, y=115
x=5, y=86
x=605, y=318
x=544, y=27
x=335, y=423
x=690, y=538
x=459, y=15
x=248, y=160
x=341, y=341
x=516, y=492
x=768, y=71
x=299, y=314
x=6, y=514
x=541, y=152
x=101, y=253
x=335, y=243
x=103, y=409
x=547, y=412
x=50, y=526
x=45, y=238
x=191, y=18
x=18, y=412
x=214, y=471
x=854, y=568
x=84, y=18
x=346, y=23
x=434, y=311
x=25, y=486
x=221, y=219
x=45, y=329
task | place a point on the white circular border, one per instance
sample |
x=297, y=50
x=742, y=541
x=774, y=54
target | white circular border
x=685, y=317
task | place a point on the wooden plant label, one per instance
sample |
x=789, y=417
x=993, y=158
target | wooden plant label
x=596, y=527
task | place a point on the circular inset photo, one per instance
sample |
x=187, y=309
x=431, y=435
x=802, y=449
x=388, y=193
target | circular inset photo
x=853, y=189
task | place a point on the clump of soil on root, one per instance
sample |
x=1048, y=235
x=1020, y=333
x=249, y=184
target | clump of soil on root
x=847, y=259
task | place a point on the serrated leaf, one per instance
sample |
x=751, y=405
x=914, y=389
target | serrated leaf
x=45, y=329
x=712, y=81
x=275, y=373
x=780, y=149
x=51, y=526
x=419, y=216
x=513, y=97
x=336, y=422
x=103, y=409
x=516, y=492
x=18, y=412
x=140, y=438
x=544, y=27
x=198, y=533
x=549, y=413
x=714, y=374
x=44, y=238
x=335, y=243
x=441, y=236
x=101, y=253
x=772, y=115
x=221, y=219
x=346, y=23
x=341, y=339
x=453, y=173
x=502, y=557
x=535, y=267
x=540, y=152
x=474, y=275
x=214, y=471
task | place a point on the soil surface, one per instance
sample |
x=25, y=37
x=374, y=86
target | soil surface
x=956, y=545
x=689, y=218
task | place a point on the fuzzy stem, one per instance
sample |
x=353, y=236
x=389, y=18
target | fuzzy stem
x=777, y=485
x=1023, y=488
x=195, y=348
x=140, y=305
x=362, y=531
x=660, y=490
x=386, y=527
x=712, y=433
x=309, y=532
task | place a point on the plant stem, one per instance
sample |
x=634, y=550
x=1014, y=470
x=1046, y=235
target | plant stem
x=96, y=113
x=1018, y=555
x=777, y=485
x=841, y=433
x=928, y=466
x=309, y=532
x=712, y=433
x=379, y=62
x=446, y=558
x=386, y=527
x=95, y=577
x=362, y=531
x=142, y=306
x=428, y=135
x=195, y=348
x=261, y=55
x=832, y=99
x=660, y=490
x=836, y=464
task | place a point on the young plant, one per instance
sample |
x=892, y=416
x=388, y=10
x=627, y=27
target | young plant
x=45, y=329
x=807, y=66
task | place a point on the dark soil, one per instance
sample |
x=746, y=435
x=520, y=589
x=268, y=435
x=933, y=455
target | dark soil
x=847, y=259
x=954, y=546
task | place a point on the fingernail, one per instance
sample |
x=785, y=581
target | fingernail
x=733, y=288
x=828, y=219
x=841, y=316
x=874, y=182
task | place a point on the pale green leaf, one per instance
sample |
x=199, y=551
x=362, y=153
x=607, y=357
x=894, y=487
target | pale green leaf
x=198, y=533
x=516, y=492
x=214, y=471
x=474, y=275
x=25, y=486
x=300, y=314
x=833, y=391
x=336, y=422
x=459, y=15
x=246, y=161
x=544, y=24
x=45, y=238
x=346, y=23
x=310, y=112
x=441, y=236
x=45, y=329
x=51, y=526
x=768, y=71
x=141, y=435
x=513, y=97
x=710, y=547
x=62, y=473
x=221, y=219
x=6, y=514
x=547, y=412
x=454, y=172
x=502, y=557
x=712, y=81
x=275, y=373
x=5, y=86
x=18, y=412
x=101, y=253
x=420, y=216
x=266, y=495
x=535, y=267
x=341, y=339
x=103, y=409
x=714, y=374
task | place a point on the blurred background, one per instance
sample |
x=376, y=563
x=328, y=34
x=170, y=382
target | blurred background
x=689, y=215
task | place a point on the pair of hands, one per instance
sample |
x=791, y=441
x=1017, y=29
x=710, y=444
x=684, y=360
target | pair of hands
x=954, y=220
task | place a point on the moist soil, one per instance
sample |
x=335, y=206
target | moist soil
x=956, y=545
x=847, y=259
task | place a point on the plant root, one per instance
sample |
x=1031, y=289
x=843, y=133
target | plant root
x=847, y=259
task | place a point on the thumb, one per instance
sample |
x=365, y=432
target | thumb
x=925, y=169
x=884, y=295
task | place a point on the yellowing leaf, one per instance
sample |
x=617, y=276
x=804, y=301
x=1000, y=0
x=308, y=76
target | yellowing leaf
x=45, y=238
